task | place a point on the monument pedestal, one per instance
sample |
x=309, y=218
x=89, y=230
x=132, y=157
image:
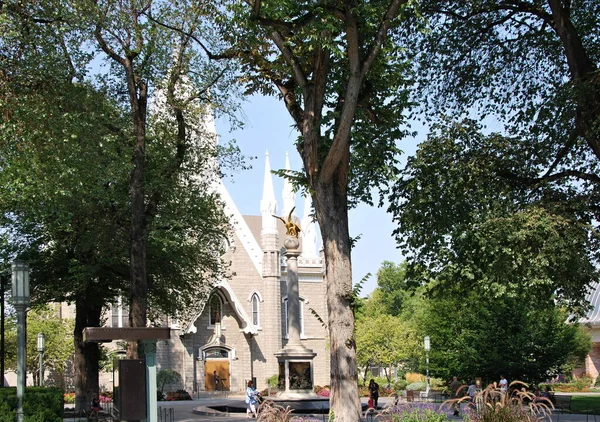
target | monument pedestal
x=296, y=370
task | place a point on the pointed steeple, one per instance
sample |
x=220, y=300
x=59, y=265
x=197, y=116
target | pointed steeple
x=289, y=197
x=268, y=203
x=309, y=231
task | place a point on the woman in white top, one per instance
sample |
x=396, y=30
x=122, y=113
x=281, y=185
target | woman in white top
x=251, y=400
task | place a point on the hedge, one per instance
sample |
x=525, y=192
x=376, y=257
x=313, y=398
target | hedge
x=40, y=404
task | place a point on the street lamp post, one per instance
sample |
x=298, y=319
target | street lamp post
x=41, y=347
x=3, y=283
x=20, y=299
x=427, y=345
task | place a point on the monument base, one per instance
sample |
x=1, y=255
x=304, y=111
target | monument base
x=296, y=373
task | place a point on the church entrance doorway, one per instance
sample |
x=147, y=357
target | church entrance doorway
x=221, y=366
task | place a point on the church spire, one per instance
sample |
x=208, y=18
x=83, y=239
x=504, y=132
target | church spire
x=309, y=230
x=268, y=203
x=289, y=197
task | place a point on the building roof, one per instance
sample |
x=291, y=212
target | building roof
x=593, y=315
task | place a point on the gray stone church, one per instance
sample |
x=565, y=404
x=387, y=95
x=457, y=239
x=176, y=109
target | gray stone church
x=242, y=328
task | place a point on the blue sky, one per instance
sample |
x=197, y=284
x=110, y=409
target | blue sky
x=269, y=128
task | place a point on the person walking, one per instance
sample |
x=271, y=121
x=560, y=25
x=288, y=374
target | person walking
x=216, y=380
x=454, y=387
x=374, y=392
x=503, y=384
x=251, y=400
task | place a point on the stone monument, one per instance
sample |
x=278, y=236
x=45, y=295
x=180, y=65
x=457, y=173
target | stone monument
x=295, y=359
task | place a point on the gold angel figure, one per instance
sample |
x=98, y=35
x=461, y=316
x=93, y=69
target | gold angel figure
x=292, y=229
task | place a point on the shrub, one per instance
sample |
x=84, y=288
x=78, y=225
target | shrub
x=399, y=384
x=167, y=376
x=412, y=377
x=322, y=391
x=69, y=398
x=567, y=387
x=44, y=404
x=178, y=395
x=105, y=397
x=385, y=392
x=416, y=386
x=273, y=381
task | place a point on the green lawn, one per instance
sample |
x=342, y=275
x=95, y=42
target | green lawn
x=585, y=405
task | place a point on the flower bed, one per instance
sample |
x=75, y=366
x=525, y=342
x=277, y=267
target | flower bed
x=105, y=397
x=322, y=391
x=178, y=395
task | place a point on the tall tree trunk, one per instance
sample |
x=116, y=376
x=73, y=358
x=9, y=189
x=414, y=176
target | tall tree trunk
x=138, y=93
x=331, y=207
x=87, y=355
x=583, y=74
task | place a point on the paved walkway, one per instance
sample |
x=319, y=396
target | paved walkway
x=197, y=410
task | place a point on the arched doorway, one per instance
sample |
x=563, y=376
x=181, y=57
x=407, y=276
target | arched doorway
x=216, y=359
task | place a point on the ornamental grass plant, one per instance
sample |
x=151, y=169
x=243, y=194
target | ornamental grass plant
x=268, y=411
x=516, y=405
x=412, y=412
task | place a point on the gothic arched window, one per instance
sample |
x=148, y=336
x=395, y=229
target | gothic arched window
x=214, y=310
x=255, y=310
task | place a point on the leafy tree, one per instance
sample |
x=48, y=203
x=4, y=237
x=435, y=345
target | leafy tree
x=392, y=289
x=462, y=225
x=149, y=47
x=166, y=376
x=77, y=159
x=66, y=222
x=483, y=334
x=344, y=84
x=58, y=351
x=532, y=64
x=385, y=341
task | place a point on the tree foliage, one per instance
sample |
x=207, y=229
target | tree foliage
x=57, y=332
x=149, y=48
x=66, y=161
x=531, y=67
x=463, y=224
x=386, y=341
x=531, y=64
x=392, y=290
x=478, y=331
x=166, y=376
x=484, y=334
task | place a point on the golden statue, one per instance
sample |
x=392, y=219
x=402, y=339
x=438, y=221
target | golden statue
x=292, y=229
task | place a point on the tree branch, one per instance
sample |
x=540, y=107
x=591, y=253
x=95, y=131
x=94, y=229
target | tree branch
x=339, y=149
x=105, y=47
x=291, y=60
x=210, y=54
x=382, y=34
x=561, y=154
x=531, y=181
